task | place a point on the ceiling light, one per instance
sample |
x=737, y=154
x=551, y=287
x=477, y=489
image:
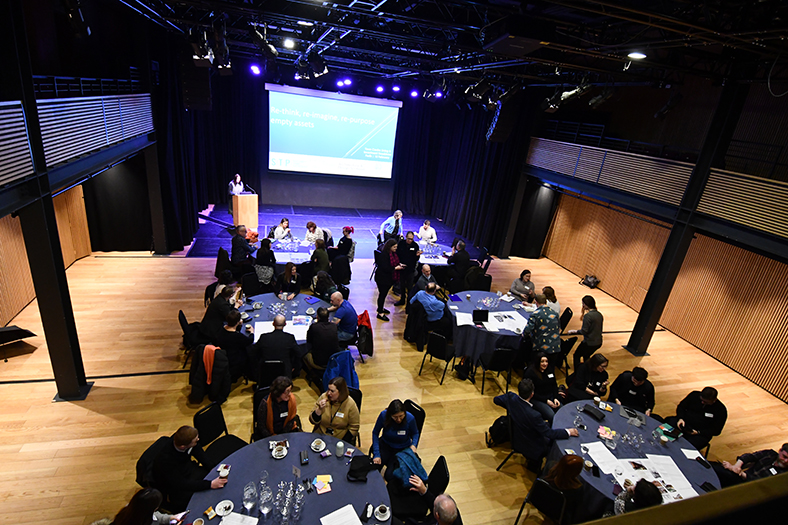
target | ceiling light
x=348, y=81
x=395, y=89
x=305, y=23
x=414, y=93
x=255, y=69
x=379, y=89
x=289, y=43
x=601, y=98
x=340, y=83
x=636, y=55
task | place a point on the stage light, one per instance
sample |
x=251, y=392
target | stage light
x=302, y=69
x=435, y=91
x=551, y=105
x=317, y=63
x=74, y=13
x=379, y=89
x=268, y=50
x=220, y=48
x=202, y=53
x=438, y=94
x=255, y=69
x=348, y=81
x=289, y=43
x=414, y=93
x=636, y=55
x=600, y=99
x=395, y=89
x=305, y=23
x=340, y=83
x=476, y=92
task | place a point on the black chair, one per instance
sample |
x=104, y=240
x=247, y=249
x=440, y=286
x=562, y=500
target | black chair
x=547, y=500
x=191, y=336
x=500, y=360
x=417, y=412
x=566, y=316
x=532, y=464
x=438, y=347
x=352, y=342
x=257, y=397
x=251, y=285
x=563, y=356
x=483, y=252
x=216, y=440
x=270, y=370
x=408, y=504
x=486, y=264
x=357, y=397
x=210, y=290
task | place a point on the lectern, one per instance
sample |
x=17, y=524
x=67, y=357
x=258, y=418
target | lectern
x=245, y=210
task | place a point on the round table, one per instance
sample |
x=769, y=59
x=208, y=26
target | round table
x=432, y=254
x=247, y=464
x=291, y=251
x=600, y=497
x=267, y=317
x=472, y=341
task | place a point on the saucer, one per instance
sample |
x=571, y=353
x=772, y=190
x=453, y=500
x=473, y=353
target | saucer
x=224, y=507
x=310, y=311
x=279, y=452
x=244, y=316
x=257, y=306
x=382, y=517
x=318, y=445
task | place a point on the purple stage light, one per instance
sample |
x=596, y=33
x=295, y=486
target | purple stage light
x=438, y=94
x=348, y=82
x=379, y=89
x=414, y=93
x=395, y=89
x=340, y=83
x=255, y=69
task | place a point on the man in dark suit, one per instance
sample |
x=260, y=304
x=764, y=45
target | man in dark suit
x=213, y=321
x=408, y=253
x=176, y=475
x=322, y=340
x=528, y=426
x=241, y=254
x=700, y=416
x=443, y=508
x=459, y=261
x=278, y=346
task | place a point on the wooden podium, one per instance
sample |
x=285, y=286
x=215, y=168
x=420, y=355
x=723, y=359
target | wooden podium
x=245, y=210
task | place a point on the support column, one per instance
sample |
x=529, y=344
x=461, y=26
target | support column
x=718, y=137
x=156, y=201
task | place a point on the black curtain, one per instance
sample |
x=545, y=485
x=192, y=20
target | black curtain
x=445, y=167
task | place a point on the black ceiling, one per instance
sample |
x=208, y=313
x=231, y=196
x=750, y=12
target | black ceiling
x=510, y=42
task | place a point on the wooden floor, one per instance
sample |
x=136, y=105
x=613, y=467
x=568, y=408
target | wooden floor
x=75, y=461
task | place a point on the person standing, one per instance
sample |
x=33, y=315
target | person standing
x=234, y=188
x=544, y=328
x=591, y=331
x=392, y=227
x=408, y=253
x=387, y=271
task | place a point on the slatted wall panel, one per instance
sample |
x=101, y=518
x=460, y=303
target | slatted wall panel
x=552, y=155
x=16, y=284
x=768, y=211
x=72, y=225
x=71, y=127
x=15, y=159
x=621, y=250
x=733, y=304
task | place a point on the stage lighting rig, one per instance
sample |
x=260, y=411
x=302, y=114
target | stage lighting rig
x=476, y=92
x=202, y=54
x=600, y=99
x=75, y=18
x=221, y=49
x=261, y=41
x=303, y=72
x=552, y=104
x=317, y=63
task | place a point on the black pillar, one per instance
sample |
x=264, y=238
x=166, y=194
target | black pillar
x=514, y=218
x=39, y=226
x=718, y=137
x=156, y=201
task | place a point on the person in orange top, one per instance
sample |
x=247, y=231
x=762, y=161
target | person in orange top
x=278, y=410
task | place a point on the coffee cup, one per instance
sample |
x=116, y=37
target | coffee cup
x=588, y=465
x=663, y=440
x=249, y=327
x=597, y=401
x=198, y=521
x=383, y=509
x=224, y=472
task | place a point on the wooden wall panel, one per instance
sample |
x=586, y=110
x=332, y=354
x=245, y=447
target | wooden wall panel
x=727, y=301
x=621, y=249
x=72, y=225
x=16, y=284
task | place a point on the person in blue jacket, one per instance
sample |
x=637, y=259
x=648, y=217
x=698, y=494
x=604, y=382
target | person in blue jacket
x=395, y=430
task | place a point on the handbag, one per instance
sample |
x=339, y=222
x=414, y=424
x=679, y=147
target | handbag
x=590, y=280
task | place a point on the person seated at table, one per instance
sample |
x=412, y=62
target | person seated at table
x=641, y=495
x=335, y=413
x=523, y=288
x=242, y=249
x=700, y=416
x=425, y=278
x=313, y=233
x=590, y=379
x=322, y=340
x=399, y=431
x=265, y=255
x=320, y=257
x=437, y=319
x=225, y=279
x=427, y=233
x=459, y=261
x=545, y=399
x=535, y=435
x=290, y=281
x=391, y=228
x=633, y=390
x=277, y=345
x=216, y=313
x=143, y=509
x=752, y=466
x=386, y=274
x=265, y=266
x=544, y=328
x=444, y=508
x=324, y=286
x=177, y=475
x=277, y=412
x=282, y=231
x=234, y=343
x=565, y=476
x=552, y=301
x=344, y=246
x=345, y=317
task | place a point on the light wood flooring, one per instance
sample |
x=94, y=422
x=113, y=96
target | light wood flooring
x=74, y=462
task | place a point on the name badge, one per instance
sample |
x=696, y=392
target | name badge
x=551, y=376
x=283, y=415
x=340, y=414
x=632, y=393
x=773, y=471
x=401, y=432
x=709, y=414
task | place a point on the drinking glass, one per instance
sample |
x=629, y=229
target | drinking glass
x=578, y=421
x=250, y=496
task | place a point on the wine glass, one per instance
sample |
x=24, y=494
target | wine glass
x=250, y=495
x=578, y=421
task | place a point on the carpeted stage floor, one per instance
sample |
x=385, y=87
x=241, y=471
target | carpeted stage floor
x=211, y=236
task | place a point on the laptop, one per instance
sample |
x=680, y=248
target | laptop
x=480, y=316
x=631, y=414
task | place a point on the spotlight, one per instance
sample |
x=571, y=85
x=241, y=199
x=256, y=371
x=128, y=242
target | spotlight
x=202, y=54
x=476, y=92
x=636, y=55
x=395, y=89
x=601, y=98
x=379, y=89
x=305, y=23
x=317, y=63
x=414, y=93
x=551, y=105
x=435, y=91
x=255, y=69
x=289, y=43
x=672, y=102
x=75, y=18
x=302, y=69
x=438, y=94
x=348, y=81
x=340, y=83
x=268, y=50
x=221, y=49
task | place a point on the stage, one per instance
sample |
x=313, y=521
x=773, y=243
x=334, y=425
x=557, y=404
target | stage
x=210, y=236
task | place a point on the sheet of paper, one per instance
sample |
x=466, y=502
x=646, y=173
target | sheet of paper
x=464, y=319
x=305, y=243
x=507, y=298
x=298, y=331
x=347, y=515
x=235, y=518
x=262, y=327
x=453, y=307
x=325, y=478
x=490, y=326
x=600, y=454
x=691, y=454
x=670, y=472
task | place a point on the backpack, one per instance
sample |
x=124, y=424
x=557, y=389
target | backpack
x=498, y=433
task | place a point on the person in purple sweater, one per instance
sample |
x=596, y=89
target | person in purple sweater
x=395, y=430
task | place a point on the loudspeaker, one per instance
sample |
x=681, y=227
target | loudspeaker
x=195, y=85
x=506, y=112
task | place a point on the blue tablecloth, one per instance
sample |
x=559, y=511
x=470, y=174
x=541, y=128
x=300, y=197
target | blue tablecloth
x=601, y=495
x=267, y=299
x=247, y=464
x=432, y=254
x=286, y=252
x=472, y=341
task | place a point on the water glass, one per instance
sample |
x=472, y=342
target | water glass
x=250, y=496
